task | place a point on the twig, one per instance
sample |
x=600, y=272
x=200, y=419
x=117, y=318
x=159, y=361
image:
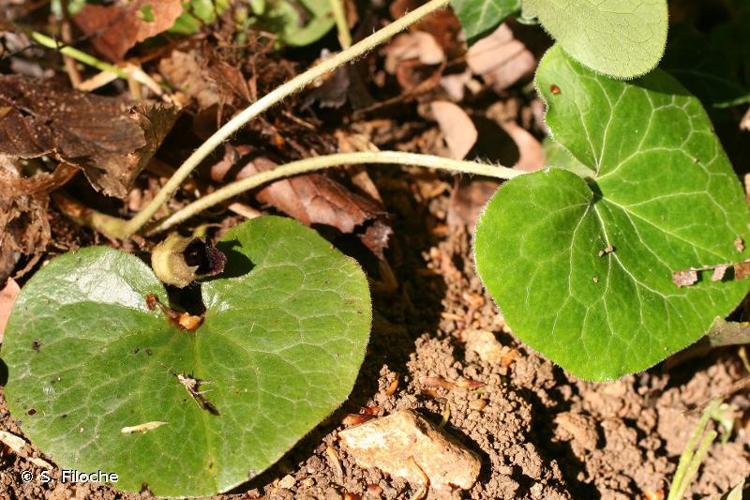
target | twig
x=76, y=54
x=322, y=162
x=294, y=85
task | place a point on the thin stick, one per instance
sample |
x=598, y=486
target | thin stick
x=339, y=14
x=294, y=85
x=76, y=54
x=328, y=161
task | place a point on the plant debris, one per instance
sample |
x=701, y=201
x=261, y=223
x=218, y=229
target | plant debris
x=145, y=427
x=192, y=385
x=109, y=139
x=117, y=27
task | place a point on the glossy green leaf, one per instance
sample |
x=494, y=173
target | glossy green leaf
x=478, y=17
x=582, y=268
x=283, y=339
x=620, y=38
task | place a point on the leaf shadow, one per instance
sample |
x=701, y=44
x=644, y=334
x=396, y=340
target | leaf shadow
x=238, y=264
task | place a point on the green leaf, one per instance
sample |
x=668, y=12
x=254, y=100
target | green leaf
x=298, y=22
x=480, y=16
x=557, y=156
x=582, y=268
x=196, y=13
x=620, y=38
x=283, y=338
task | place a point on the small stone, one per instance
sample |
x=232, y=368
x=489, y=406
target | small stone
x=287, y=482
x=406, y=445
x=478, y=404
x=484, y=344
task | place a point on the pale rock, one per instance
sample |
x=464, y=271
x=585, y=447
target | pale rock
x=485, y=345
x=406, y=445
x=287, y=482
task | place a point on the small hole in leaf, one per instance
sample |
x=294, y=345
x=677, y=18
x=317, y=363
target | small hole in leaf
x=31, y=412
x=554, y=89
x=36, y=345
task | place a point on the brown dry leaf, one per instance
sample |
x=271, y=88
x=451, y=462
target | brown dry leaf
x=443, y=25
x=500, y=59
x=24, y=228
x=530, y=152
x=458, y=129
x=317, y=199
x=116, y=28
x=467, y=202
x=417, y=61
x=186, y=74
x=109, y=140
x=208, y=81
x=7, y=298
x=417, y=45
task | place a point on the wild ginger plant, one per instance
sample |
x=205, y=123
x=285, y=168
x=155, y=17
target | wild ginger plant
x=581, y=257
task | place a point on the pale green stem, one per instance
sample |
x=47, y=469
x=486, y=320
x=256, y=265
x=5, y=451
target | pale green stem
x=345, y=37
x=322, y=162
x=294, y=85
x=76, y=54
x=691, y=457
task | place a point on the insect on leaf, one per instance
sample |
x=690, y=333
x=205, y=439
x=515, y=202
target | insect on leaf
x=582, y=267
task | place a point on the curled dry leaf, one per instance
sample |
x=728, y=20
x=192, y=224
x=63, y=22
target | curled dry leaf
x=416, y=45
x=116, y=28
x=318, y=199
x=443, y=25
x=458, y=129
x=416, y=59
x=108, y=139
x=200, y=75
x=24, y=228
x=500, y=59
x=530, y=151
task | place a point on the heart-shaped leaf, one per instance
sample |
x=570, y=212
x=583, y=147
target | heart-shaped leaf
x=582, y=268
x=621, y=38
x=100, y=381
x=478, y=17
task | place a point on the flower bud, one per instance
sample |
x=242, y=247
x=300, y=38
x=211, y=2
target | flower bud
x=180, y=260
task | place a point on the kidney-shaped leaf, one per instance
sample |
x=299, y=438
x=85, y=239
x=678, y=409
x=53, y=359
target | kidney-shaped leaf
x=582, y=268
x=283, y=339
x=621, y=38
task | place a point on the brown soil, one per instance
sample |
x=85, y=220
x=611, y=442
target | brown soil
x=541, y=434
